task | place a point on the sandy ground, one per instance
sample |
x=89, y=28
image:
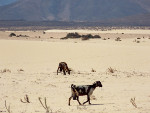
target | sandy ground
x=28, y=67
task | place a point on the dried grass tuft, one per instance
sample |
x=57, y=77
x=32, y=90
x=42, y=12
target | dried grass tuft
x=5, y=71
x=93, y=70
x=111, y=70
x=132, y=100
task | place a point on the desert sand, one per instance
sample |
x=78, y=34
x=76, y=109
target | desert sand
x=28, y=66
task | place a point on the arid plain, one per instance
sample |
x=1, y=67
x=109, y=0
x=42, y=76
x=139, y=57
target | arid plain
x=28, y=65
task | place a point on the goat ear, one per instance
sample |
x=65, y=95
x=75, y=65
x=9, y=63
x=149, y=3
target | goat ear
x=94, y=83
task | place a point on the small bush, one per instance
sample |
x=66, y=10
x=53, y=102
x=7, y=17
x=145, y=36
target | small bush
x=84, y=37
x=111, y=70
x=73, y=35
x=132, y=100
x=96, y=36
x=64, y=38
x=5, y=70
x=93, y=70
x=20, y=70
x=12, y=34
x=118, y=39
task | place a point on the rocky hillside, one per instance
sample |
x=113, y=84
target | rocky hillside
x=76, y=10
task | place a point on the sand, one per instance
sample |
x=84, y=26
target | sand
x=28, y=67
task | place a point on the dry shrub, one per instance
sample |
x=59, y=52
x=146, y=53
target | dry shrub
x=137, y=41
x=132, y=100
x=85, y=38
x=93, y=70
x=26, y=99
x=111, y=70
x=118, y=39
x=7, y=107
x=5, y=71
x=44, y=105
x=20, y=70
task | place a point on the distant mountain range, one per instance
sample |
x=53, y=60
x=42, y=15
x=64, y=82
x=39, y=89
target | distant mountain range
x=126, y=11
x=6, y=2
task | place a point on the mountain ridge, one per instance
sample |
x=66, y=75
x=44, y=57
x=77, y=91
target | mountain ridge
x=78, y=10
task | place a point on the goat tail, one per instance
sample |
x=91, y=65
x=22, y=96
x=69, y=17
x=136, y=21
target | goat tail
x=74, y=91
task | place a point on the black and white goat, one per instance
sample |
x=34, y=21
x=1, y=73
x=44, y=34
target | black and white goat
x=82, y=90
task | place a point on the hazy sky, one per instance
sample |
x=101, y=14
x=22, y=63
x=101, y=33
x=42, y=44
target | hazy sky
x=5, y=2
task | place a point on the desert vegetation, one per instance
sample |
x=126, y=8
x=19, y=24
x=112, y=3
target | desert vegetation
x=28, y=71
x=77, y=35
x=14, y=35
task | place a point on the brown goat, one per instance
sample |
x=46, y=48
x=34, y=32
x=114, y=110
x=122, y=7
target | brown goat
x=63, y=67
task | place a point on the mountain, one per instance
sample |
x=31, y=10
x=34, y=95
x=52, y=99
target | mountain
x=76, y=10
x=5, y=2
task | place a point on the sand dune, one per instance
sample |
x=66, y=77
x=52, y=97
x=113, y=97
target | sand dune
x=28, y=67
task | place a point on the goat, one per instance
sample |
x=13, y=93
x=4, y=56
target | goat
x=63, y=67
x=82, y=90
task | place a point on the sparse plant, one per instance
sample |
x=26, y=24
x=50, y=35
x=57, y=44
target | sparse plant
x=73, y=35
x=93, y=70
x=137, y=41
x=45, y=105
x=111, y=70
x=5, y=70
x=7, y=107
x=12, y=34
x=64, y=38
x=20, y=70
x=85, y=38
x=96, y=36
x=26, y=99
x=132, y=100
x=118, y=39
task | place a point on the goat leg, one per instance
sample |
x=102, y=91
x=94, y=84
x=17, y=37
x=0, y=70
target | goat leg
x=78, y=100
x=64, y=72
x=57, y=70
x=88, y=99
x=70, y=100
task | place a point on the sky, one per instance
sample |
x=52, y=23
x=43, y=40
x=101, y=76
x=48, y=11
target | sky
x=5, y=2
